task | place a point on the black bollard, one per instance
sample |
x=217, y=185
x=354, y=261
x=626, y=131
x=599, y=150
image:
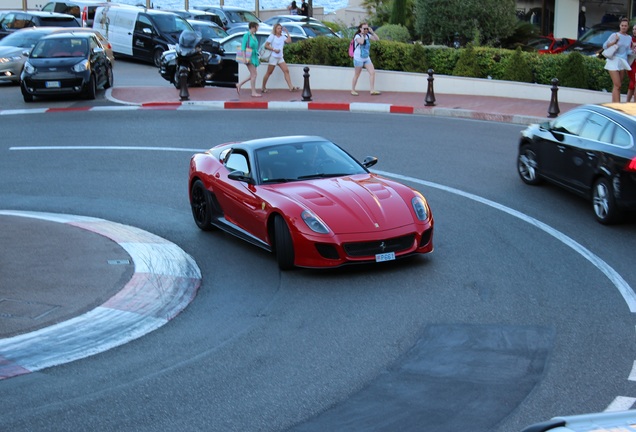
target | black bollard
x=306, y=89
x=430, y=94
x=553, y=109
x=184, y=93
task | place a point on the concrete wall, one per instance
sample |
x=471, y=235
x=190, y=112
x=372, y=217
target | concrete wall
x=339, y=78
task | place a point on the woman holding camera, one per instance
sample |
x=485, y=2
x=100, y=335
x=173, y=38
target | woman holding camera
x=361, y=58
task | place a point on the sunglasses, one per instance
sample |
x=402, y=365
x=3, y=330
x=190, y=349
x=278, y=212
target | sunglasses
x=365, y=28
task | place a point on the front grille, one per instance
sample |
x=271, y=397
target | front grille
x=64, y=83
x=396, y=244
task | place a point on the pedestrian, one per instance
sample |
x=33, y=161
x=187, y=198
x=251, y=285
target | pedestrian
x=617, y=65
x=275, y=43
x=249, y=39
x=632, y=72
x=304, y=8
x=361, y=59
x=293, y=8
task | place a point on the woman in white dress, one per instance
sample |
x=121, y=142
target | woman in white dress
x=617, y=65
x=276, y=43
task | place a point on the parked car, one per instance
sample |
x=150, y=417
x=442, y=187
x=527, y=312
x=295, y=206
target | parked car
x=208, y=30
x=591, y=42
x=549, y=44
x=141, y=34
x=590, y=151
x=308, y=201
x=15, y=48
x=76, y=8
x=232, y=16
x=66, y=63
x=597, y=422
x=289, y=18
x=309, y=30
x=193, y=14
x=227, y=76
x=17, y=20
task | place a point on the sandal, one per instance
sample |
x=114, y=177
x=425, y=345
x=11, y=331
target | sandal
x=375, y=93
x=354, y=93
x=256, y=95
x=265, y=91
x=294, y=89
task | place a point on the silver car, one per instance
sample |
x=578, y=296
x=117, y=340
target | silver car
x=15, y=48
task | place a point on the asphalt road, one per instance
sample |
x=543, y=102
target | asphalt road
x=503, y=325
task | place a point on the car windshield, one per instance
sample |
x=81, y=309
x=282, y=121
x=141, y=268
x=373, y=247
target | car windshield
x=317, y=30
x=242, y=16
x=597, y=36
x=22, y=39
x=66, y=47
x=304, y=161
x=171, y=23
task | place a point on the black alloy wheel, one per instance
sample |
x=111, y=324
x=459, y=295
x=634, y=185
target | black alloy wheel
x=283, y=244
x=201, y=204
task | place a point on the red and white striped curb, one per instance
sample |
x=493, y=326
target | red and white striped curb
x=355, y=107
x=165, y=281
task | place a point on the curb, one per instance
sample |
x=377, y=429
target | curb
x=165, y=281
x=354, y=107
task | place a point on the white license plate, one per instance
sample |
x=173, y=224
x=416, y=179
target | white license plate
x=52, y=84
x=389, y=256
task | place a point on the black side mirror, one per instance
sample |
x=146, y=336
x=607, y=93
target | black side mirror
x=369, y=161
x=240, y=176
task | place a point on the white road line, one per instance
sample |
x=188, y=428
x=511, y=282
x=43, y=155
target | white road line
x=623, y=287
x=621, y=403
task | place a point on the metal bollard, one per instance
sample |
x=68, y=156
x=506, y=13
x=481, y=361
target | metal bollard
x=430, y=94
x=306, y=89
x=553, y=109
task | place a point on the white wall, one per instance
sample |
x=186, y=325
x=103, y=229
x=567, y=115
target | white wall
x=566, y=19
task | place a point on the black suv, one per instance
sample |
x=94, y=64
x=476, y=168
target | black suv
x=591, y=42
x=16, y=20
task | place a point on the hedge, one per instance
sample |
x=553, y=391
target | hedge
x=486, y=62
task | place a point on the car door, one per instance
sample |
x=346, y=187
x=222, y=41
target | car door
x=98, y=59
x=238, y=199
x=556, y=147
x=582, y=157
x=143, y=38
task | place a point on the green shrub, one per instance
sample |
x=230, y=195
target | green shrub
x=572, y=72
x=467, y=65
x=516, y=68
x=394, y=32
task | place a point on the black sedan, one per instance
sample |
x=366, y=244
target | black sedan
x=590, y=151
x=66, y=63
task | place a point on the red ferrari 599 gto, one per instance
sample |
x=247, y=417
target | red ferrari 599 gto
x=308, y=201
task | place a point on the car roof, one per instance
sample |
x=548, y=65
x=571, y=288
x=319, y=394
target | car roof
x=69, y=34
x=229, y=8
x=205, y=23
x=267, y=142
x=43, y=13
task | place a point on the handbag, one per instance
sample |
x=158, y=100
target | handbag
x=264, y=54
x=609, y=53
x=244, y=56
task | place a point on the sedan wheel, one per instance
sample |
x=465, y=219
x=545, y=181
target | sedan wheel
x=284, y=245
x=156, y=57
x=201, y=203
x=527, y=166
x=605, y=208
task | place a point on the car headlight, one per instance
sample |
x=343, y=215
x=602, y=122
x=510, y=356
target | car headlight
x=315, y=224
x=81, y=66
x=420, y=208
x=9, y=59
x=28, y=68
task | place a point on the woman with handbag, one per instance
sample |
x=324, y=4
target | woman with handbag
x=275, y=44
x=250, y=44
x=615, y=50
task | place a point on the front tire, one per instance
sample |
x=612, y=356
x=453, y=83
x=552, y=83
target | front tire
x=201, y=203
x=91, y=88
x=109, y=78
x=284, y=245
x=527, y=165
x=605, y=209
x=156, y=57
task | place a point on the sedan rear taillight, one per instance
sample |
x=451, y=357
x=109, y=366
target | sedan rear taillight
x=631, y=166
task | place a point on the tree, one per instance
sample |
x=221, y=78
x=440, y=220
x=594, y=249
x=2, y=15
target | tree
x=398, y=12
x=480, y=21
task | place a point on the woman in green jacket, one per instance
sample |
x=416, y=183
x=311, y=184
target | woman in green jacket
x=250, y=39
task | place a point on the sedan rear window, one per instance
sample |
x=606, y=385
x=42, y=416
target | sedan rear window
x=59, y=22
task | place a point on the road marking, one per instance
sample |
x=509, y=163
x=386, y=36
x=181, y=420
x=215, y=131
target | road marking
x=623, y=287
x=621, y=403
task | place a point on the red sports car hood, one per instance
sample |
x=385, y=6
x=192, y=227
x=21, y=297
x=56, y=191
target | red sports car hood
x=361, y=203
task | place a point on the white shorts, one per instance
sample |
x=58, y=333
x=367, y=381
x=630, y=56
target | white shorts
x=273, y=61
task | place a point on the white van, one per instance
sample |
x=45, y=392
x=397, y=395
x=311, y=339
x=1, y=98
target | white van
x=143, y=34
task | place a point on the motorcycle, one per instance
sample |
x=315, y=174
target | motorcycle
x=192, y=62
